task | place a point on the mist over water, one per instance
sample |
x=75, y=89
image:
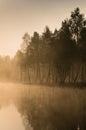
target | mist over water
x=48, y=70
x=32, y=107
x=10, y=118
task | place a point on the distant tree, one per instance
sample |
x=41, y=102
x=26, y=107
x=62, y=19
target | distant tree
x=82, y=53
x=82, y=44
x=26, y=41
x=48, y=42
x=47, y=34
x=35, y=43
x=65, y=50
x=19, y=58
x=77, y=22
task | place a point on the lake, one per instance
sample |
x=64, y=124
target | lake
x=32, y=107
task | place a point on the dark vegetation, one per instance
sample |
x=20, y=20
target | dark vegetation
x=52, y=57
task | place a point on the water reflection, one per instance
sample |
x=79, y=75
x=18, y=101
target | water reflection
x=10, y=119
x=37, y=108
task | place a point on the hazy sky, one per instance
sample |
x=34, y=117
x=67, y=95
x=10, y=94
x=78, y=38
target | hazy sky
x=20, y=16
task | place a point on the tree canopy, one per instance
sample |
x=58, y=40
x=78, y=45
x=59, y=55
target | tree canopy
x=54, y=57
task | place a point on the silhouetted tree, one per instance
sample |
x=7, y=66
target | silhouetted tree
x=53, y=57
x=77, y=21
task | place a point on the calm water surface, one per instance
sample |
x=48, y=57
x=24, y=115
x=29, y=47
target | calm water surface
x=24, y=107
x=10, y=118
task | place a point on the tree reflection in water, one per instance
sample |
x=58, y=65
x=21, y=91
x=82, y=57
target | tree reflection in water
x=47, y=108
x=46, y=116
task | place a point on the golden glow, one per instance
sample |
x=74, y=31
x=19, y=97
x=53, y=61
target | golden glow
x=20, y=16
x=10, y=119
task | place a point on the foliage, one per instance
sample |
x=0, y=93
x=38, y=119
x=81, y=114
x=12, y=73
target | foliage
x=54, y=57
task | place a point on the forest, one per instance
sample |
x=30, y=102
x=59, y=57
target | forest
x=52, y=57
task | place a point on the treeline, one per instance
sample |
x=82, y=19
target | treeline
x=8, y=69
x=54, y=57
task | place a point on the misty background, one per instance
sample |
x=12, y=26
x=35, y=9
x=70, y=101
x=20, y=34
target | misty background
x=20, y=16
